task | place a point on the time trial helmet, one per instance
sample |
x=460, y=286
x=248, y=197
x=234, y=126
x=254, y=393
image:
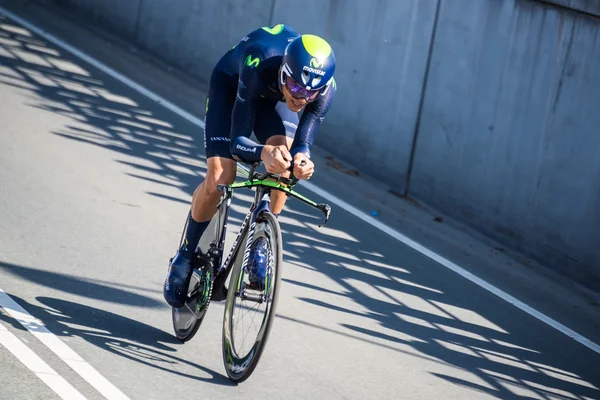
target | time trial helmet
x=310, y=63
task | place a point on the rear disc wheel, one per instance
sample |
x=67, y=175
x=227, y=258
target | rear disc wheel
x=187, y=319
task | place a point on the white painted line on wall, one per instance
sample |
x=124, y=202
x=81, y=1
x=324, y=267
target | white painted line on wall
x=58, y=347
x=36, y=365
x=320, y=192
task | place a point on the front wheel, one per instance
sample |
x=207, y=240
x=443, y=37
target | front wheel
x=242, y=344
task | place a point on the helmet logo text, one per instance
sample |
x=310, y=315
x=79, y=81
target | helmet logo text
x=315, y=63
x=313, y=70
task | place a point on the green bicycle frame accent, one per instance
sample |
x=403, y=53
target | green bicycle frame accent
x=271, y=184
x=274, y=185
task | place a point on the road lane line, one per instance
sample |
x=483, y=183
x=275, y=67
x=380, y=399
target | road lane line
x=320, y=192
x=36, y=365
x=58, y=347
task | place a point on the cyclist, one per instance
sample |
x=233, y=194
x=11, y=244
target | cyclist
x=260, y=85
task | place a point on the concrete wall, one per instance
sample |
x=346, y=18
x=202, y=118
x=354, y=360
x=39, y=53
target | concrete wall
x=194, y=34
x=191, y=34
x=389, y=38
x=487, y=108
x=510, y=131
x=118, y=16
x=587, y=6
x=381, y=49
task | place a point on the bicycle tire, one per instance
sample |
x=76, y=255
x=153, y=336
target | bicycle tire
x=185, y=328
x=230, y=358
x=187, y=319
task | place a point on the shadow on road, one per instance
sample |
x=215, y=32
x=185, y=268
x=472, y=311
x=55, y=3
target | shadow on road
x=123, y=336
x=90, y=288
x=401, y=299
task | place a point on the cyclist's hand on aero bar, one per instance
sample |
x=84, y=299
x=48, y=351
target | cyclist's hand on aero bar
x=276, y=158
x=303, y=167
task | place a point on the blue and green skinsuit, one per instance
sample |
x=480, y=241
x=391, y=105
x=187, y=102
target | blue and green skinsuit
x=244, y=96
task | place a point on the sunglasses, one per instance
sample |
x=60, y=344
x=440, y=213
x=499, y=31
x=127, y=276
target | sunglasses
x=296, y=90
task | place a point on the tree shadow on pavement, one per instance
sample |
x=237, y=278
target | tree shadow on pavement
x=145, y=138
x=103, y=113
x=395, y=297
x=119, y=335
x=84, y=287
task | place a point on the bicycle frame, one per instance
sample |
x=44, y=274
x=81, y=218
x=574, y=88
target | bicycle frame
x=264, y=184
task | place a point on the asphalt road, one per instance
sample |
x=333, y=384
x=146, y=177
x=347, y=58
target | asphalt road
x=95, y=182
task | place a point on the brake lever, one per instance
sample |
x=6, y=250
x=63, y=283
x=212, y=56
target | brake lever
x=326, y=209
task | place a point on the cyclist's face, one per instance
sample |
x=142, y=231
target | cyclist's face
x=293, y=103
x=296, y=96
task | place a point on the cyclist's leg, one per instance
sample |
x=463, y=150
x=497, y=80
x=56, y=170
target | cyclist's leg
x=220, y=164
x=220, y=169
x=276, y=125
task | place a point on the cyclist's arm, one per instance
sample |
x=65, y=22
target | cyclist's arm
x=244, y=108
x=313, y=115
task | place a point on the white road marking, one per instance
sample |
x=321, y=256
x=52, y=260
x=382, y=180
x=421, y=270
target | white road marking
x=36, y=365
x=454, y=267
x=64, y=352
x=320, y=192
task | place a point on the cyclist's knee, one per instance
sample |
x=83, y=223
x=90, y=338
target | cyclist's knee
x=221, y=171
